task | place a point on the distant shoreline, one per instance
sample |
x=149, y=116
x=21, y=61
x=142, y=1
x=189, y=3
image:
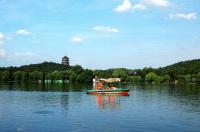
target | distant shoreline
x=182, y=72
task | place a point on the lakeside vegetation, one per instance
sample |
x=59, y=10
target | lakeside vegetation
x=182, y=72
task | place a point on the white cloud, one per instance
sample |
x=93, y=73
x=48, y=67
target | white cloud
x=105, y=29
x=2, y=38
x=139, y=6
x=24, y=32
x=8, y=38
x=77, y=39
x=125, y=6
x=159, y=3
x=186, y=16
x=2, y=52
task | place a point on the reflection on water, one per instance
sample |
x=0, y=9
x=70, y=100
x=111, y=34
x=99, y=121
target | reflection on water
x=54, y=87
x=111, y=102
x=44, y=107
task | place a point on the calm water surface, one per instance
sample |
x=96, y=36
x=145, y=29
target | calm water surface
x=151, y=108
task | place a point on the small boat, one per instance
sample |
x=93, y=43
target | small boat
x=118, y=91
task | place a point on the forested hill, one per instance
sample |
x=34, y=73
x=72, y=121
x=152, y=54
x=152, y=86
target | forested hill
x=186, y=71
x=182, y=68
x=43, y=67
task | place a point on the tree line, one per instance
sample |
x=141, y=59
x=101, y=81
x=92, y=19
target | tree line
x=182, y=72
x=73, y=74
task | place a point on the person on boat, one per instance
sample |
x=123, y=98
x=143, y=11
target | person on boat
x=99, y=86
x=108, y=87
x=113, y=87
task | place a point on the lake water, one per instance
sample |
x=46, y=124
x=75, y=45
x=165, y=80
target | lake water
x=149, y=108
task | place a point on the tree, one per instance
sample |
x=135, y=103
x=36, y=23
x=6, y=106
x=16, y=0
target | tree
x=120, y=73
x=85, y=76
x=24, y=76
x=77, y=69
x=198, y=77
x=64, y=75
x=166, y=78
x=187, y=78
x=17, y=75
x=98, y=73
x=35, y=76
x=152, y=77
x=134, y=79
x=55, y=75
x=5, y=76
x=48, y=76
x=193, y=79
x=72, y=77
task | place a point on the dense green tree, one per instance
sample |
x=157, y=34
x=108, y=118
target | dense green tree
x=146, y=70
x=24, y=76
x=181, y=79
x=98, y=73
x=198, y=78
x=120, y=73
x=72, y=77
x=187, y=78
x=193, y=78
x=64, y=75
x=152, y=77
x=55, y=75
x=17, y=75
x=166, y=78
x=35, y=76
x=48, y=76
x=108, y=73
x=77, y=69
x=6, y=76
x=185, y=72
x=134, y=79
x=85, y=76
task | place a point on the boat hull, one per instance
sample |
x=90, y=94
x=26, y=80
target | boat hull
x=109, y=92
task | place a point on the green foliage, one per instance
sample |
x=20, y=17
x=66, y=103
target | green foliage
x=5, y=76
x=98, y=73
x=120, y=73
x=166, y=78
x=35, y=76
x=103, y=73
x=77, y=69
x=182, y=68
x=85, y=76
x=151, y=77
x=24, y=76
x=198, y=77
x=134, y=79
x=18, y=75
x=72, y=77
x=184, y=72
x=43, y=67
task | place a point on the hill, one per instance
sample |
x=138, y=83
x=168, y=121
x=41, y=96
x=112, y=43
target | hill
x=185, y=71
x=182, y=68
x=43, y=67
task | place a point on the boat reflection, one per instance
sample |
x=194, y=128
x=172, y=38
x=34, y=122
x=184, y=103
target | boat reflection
x=111, y=102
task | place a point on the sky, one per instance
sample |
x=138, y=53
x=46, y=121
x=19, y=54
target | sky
x=99, y=34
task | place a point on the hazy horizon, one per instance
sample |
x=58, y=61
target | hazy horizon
x=100, y=34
